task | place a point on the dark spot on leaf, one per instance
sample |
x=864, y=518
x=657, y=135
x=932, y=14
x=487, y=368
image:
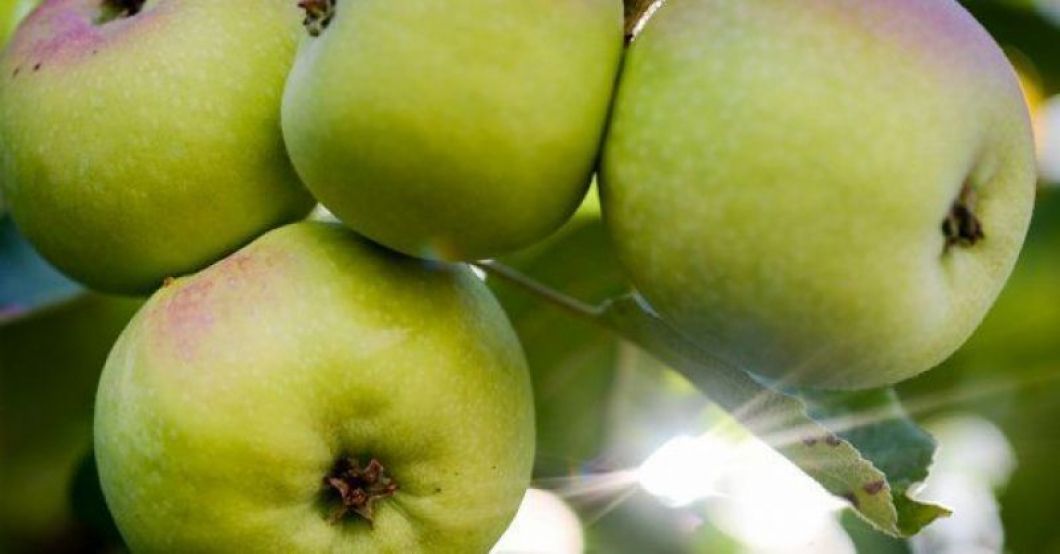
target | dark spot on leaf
x=37, y=67
x=832, y=440
x=874, y=487
x=810, y=441
x=852, y=498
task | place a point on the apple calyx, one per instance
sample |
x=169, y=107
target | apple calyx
x=318, y=15
x=117, y=9
x=357, y=488
x=961, y=226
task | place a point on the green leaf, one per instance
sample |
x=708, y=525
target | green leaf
x=783, y=421
x=868, y=540
x=877, y=425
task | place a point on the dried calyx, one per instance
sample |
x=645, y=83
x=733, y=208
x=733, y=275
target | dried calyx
x=356, y=489
x=122, y=8
x=318, y=15
x=961, y=226
x=111, y=10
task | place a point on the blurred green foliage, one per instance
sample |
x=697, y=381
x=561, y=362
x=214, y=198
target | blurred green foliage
x=49, y=366
x=1018, y=25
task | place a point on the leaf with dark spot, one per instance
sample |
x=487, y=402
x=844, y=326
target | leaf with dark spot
x=885, y=456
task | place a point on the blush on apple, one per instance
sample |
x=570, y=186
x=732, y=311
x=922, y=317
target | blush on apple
x=141, y=139
x=312, y=393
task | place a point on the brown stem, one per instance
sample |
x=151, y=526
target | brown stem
x=318, y=15
x=635, y=11
x=567, y=303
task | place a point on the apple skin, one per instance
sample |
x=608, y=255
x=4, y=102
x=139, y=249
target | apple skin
x=50, y=361
x=11, y=14
x=449, y=132
x=777, y=174
x=234, y=392
x=148, y=146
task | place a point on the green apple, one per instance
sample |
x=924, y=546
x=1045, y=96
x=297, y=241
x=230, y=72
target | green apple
x=316, y=393
x=141, y=140
x=452, y=131
x=823, y=192
x=50, y=363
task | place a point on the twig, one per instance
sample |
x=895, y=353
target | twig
x=567, y=303
x=635, y=11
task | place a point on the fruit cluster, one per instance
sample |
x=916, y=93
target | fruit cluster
x=826, y=193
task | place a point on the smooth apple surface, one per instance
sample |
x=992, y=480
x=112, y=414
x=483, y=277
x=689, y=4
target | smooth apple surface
x=823, y=192
x=452, y=131
x=142, y=140
x=236, y=407
x=11, y=14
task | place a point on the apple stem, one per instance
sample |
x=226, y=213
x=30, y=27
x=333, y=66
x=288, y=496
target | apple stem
x=358, y=488
x=636, y=11
x=318, y=15
x=567, y=303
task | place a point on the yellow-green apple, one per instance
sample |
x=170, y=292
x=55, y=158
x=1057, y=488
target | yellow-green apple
x=50, y=362
x=452, y=131
x=141, y=139
x=826, y=192
x=314, y=392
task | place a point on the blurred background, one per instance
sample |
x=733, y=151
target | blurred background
x=631, y=458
